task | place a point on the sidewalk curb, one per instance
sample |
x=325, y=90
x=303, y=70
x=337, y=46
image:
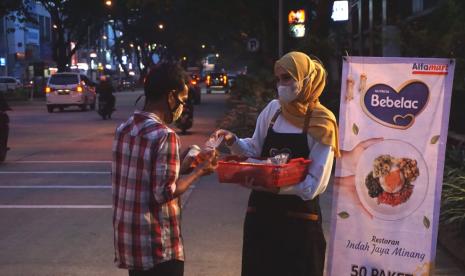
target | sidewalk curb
x=26, y=102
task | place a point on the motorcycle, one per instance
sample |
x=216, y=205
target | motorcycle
x=105, y=108
x=106, y=99
x=186, y=120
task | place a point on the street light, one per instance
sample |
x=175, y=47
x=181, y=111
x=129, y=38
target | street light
x=55, y=26
x=217, y=55
x=203, y=46
x=160, y=26
x=108, y=3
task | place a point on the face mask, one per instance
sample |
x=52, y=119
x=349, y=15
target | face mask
x=288, y=93
x=176, y=112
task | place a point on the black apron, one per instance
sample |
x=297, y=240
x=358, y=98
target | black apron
x=283, y=235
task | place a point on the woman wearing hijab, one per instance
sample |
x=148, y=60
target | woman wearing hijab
x=283, y=231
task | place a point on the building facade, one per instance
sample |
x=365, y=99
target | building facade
x=23, y=44
x=373, y=24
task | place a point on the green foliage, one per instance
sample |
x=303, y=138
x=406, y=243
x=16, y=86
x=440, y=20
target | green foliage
x=453, y=190
x=20, y=94
x=249, y=95
x=78, y=21
x=14, y=8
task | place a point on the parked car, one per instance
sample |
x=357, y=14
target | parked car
x=127, y=83
x=9, y=84
x=217, y=81
x=70, y=89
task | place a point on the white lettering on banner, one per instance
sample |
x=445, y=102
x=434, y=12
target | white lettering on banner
x=388, y=102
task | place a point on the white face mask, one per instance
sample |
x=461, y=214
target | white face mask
x=288, y=93
x=177, y=113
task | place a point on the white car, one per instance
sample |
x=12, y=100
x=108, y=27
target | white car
x=70, y=89
x=9, y=84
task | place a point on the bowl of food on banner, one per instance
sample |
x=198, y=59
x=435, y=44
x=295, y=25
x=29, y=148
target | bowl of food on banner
x=391, y=179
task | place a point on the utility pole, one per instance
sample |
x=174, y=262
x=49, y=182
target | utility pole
x=7, y=48
x=280, y=28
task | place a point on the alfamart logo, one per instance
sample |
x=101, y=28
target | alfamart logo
x=429, y=69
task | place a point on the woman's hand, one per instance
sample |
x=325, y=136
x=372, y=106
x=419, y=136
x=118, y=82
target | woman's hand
x=346, y=186
x=228, y=137
x=349, y=159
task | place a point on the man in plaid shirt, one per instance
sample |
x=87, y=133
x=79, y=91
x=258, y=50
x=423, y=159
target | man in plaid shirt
x=146, y=179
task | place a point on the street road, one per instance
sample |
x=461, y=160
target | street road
x=55, y=191
x=55, y=197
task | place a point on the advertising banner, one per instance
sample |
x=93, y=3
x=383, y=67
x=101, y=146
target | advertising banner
x=393, y=124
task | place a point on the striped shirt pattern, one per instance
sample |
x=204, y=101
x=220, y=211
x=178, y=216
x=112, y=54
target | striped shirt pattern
x=146, y=215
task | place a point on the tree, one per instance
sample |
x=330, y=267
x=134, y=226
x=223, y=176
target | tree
x=74, y=21
x=18, y=7
x=16, y=10
x=438, y=34
x=441, y=34
x=226, y=26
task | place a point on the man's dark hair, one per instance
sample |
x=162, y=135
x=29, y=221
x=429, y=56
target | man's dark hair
x=162, y=79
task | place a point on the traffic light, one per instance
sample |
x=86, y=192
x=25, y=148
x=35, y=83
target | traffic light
x=297, y=20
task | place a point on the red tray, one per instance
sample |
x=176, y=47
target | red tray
x=232, y=169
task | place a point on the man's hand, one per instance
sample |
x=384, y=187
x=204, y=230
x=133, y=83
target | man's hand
x=208, y=162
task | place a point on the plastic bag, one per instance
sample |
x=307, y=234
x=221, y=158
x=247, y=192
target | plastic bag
x=278, y=159
x=213, y=142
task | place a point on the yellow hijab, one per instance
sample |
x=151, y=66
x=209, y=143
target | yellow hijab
x=311, y=76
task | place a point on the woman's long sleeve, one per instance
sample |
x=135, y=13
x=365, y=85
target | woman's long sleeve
x=322, y=156
x=318, y=176
x=252, y=147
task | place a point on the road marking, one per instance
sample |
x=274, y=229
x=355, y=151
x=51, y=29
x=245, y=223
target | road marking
x=56, y=206
x=56, y=187
x=52, y=172
x=53, y=162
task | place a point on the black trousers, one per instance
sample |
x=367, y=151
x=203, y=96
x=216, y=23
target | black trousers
x=169, y=268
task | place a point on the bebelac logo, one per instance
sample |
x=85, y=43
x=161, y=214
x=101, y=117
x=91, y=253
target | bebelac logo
x=396, y=108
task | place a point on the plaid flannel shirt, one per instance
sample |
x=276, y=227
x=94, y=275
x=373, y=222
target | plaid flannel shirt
x=146, y=215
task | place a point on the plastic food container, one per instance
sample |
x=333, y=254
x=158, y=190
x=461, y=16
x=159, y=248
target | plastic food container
x=233, y=169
